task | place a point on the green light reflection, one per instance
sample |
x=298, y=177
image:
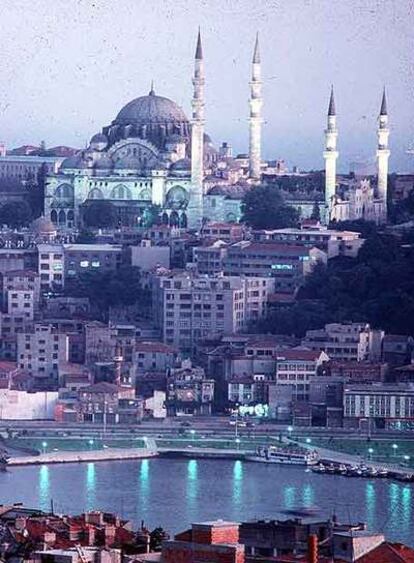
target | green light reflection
x=44, y=487
x=289, y=496
x=237, y=481
x=90, y=486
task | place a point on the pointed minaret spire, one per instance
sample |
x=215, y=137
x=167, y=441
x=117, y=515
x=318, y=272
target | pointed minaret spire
x=330, y=155
x=255, y=120
x=383, y=110
x=199, y=48
x=195, y=204
x=256, y=54
x=383, y=155
x=152, y=91
x=331, y=109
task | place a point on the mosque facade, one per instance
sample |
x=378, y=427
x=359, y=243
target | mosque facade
x=152, y=157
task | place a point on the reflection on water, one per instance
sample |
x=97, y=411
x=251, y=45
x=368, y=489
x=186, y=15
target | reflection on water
x=308, y=496
x=44, y=487
x=406, y=508
x=192, y=482
x=289, y=497
x=370, y=504
x=175, y=492
x=90, y=486
x=237, y=481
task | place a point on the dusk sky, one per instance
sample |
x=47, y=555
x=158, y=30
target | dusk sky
x=67, y=67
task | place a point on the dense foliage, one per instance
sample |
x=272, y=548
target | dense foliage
x=110, y=289
x=264, y=208
x=376, y=287
x=100, y=214
x=15, y=214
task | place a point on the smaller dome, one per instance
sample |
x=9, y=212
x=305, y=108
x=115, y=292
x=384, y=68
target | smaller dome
x=43, y=226
x=75, y=161
x=182, y=164
x=99, y=142
x=104, y=163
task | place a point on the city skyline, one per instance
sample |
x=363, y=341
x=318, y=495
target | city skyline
x=113, y=51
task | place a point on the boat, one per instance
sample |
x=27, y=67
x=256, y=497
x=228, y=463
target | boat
x=331, y=469
x=342, y=469
x=372, y=472
x=4, y=458
x=288, y=455
x=319, y=468
x=382, y=472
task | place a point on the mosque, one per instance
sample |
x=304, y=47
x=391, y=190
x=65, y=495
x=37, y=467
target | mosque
x=153, y=155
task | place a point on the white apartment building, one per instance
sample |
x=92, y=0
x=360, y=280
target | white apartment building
x=51, y=266
x=22, y=280
x=334, y=243
x=346, y=342
x=20, y=303
x=41, y=351
x=296, y=367
x=390, y=404
x=188, y=307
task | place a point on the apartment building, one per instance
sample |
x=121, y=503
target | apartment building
x=209, y=259
x=61, y=263
x=346, y=342
x=188, y=307
x=296, y=367
x=285, y=264
x=388, y=406
x=27, y=280
x=20, y=302
x=40, y=352
x=334, y=243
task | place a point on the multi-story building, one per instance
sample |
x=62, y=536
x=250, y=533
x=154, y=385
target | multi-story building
x=285, y=264
x=397, y=349
x=103, y=402
x=16, y=258
x=148, y=255
x=154, y=356
x=22, y=280
x=387, y=406
x=296, y=367
x=20, y=302
x=51, y=266
x=209, y=259
x=40, y=352
x=228, y=232
x=215, y=542
x=247, y=390
x=346, y=342
x=61, y=263
x=189, y=392
x=188, y=307
x=334, y=243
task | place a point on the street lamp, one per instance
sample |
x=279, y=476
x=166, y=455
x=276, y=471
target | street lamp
x=44, y=446
x=395, y=448
x=370, y=452
x=308, y=440
x=238, y=442
x=90, y=441
x=407, y=459
x=192, y=432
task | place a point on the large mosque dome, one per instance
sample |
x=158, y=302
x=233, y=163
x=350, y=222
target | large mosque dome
x=151, y=109
x=152, y=118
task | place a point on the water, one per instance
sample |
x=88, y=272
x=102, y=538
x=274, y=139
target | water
x=175, y=492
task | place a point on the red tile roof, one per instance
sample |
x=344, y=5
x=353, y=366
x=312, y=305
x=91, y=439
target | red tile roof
x=389, y=553
x=154, y=347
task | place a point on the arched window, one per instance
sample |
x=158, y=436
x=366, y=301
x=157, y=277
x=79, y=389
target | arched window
x=70, y=215
x=183, y=221
x=64, y=191
x=174, y=219
x=164, y=218
x=120, y=192
x=62, y=217
x=95, y=193
x=53, y=216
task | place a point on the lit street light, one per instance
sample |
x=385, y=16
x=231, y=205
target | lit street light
x=395, y=448
x=370, y=452
x=238, y=442
x=192, y=432
x=44, y=446
x=308, y=440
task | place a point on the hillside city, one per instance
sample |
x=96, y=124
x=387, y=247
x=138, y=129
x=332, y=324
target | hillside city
x=164, y=297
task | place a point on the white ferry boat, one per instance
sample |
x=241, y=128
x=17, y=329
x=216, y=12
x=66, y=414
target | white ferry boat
x=289, y=455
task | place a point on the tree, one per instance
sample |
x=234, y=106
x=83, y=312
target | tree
x=15, y=214
x=151, y=215
x=316, y=212
x=264, y=208
x=100, y=214
x=86, y=237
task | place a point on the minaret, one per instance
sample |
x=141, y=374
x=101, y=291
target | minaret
x=330, y=155
x=195, y=204
x=383, y=153
x=255, y=120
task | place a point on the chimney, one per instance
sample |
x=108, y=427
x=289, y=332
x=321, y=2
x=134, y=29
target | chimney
x=313, y=548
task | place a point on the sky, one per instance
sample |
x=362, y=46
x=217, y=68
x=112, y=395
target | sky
x=68, y=66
